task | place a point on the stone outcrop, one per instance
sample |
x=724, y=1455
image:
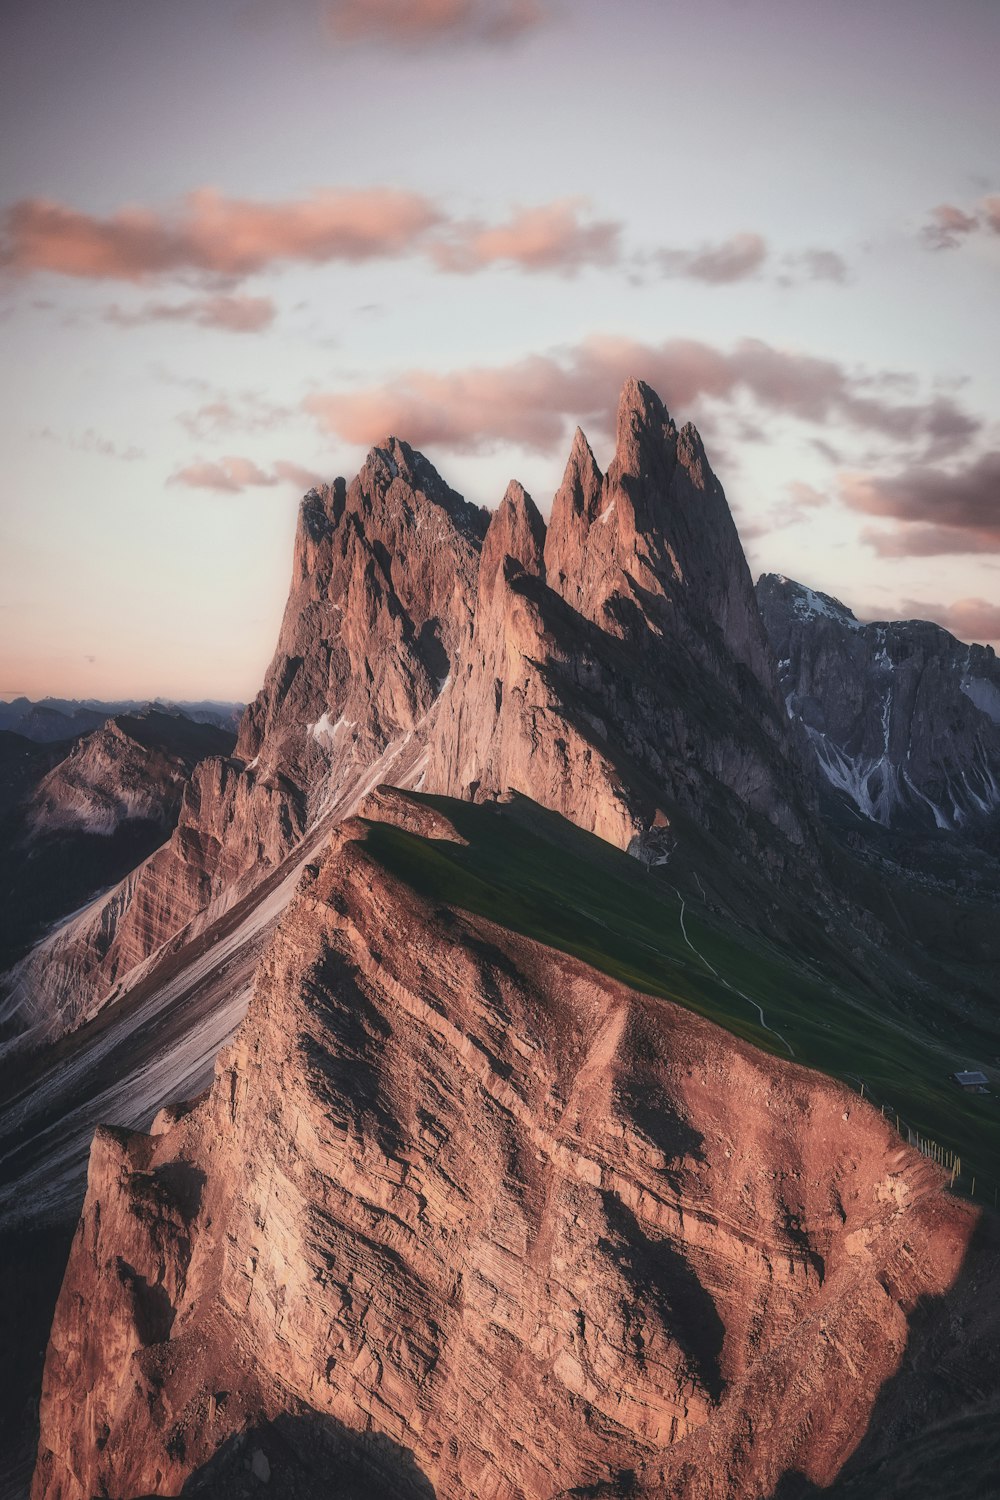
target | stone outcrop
x=462, y=1217
x=76, y=818
x=904, y=719
x=133, y=769
x=384, y=572
x=612, y=666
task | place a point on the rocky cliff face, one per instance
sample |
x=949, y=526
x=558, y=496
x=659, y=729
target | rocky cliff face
x=133, y=769
x=460, y=1216
x=904, y=719
x=75, y=819
x=383, y=577
x=619, y=668
x=612, y=666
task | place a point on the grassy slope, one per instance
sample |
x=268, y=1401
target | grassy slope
x=571, y=891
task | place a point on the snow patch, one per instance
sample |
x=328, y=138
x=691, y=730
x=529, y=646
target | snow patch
x=324, y=730
x=808, y=605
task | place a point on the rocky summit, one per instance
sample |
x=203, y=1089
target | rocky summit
x=903, y=719
x=509, y=1080
x=612, y=666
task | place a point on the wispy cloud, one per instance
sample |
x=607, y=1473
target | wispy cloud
x=244, y=411
x=231, y=314
x=92, y=442
x=948, y=225
x=534, y=401
x=214, y=235
x=734, y=259
x=969, y=619
x=553, y=237
x=408, y=23
x=215, y=241
x=233, y=474
x=813, y=264
x=937, y=511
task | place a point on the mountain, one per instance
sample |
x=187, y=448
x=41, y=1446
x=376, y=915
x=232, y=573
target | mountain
x=535, y=1162
x=462, y=1216
x=903, y=719
x=133, y=769
x=53, y=719
x=72, y=828
x=613, y=667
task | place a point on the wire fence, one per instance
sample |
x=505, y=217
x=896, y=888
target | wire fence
x=945, y=1157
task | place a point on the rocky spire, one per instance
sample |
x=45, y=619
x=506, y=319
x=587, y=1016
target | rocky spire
x=576, y=506
x=516, y=532
x=646, y=439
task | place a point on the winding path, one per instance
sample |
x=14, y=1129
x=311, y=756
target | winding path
x=712, y=970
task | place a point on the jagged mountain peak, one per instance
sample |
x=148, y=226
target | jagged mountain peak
x=516, y=531
x=904, y=719
x=646, y=435
x=610, y=667
x=396, y=474
x=805, y=601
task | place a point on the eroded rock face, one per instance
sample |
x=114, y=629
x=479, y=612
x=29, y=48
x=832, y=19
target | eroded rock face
x=383, y=580
x=612, y=667
x=133, y=769
x=460, y=1216
x=904, y=719
x=621, y=670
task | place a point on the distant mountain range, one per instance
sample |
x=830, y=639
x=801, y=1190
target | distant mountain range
x=77, y=816
x=903, y=719
x=50, y=719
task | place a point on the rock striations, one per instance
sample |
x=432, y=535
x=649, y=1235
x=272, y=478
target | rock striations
x=133, y=769
x=75, y=818
x=904, y=719
x=612, y=666
x=461, y=1217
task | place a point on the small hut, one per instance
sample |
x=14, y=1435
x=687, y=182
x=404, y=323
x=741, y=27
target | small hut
x=971, y=1082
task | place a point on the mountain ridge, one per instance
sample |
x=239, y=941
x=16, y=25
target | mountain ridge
x=397, y=661
x=902, y=718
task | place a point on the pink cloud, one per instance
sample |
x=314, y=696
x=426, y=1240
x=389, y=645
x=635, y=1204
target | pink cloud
x=232, y=314
x=408, y=22
x=211, y=234
x=232, y=475
x=948, y=226
x=969, y=619
x=303, y=479
x=937, y=511
x=735, y=259
x=246, y=412
x=551, y=237
x=534, y=401
x=229, y=475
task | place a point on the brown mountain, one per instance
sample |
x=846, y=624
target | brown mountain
x=460, y=1216
x=518, y=1178
x=75, y=817
x=614, y=668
